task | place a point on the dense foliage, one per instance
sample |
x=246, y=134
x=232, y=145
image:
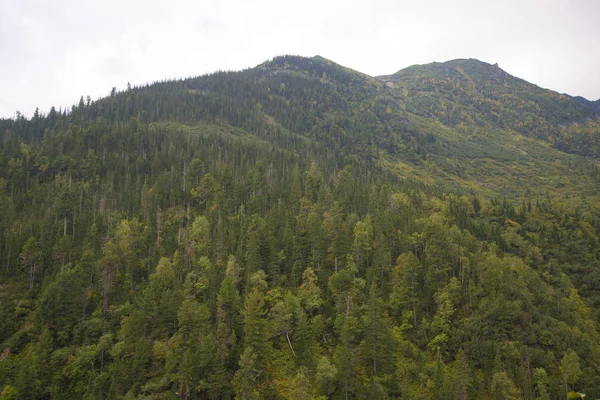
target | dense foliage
x=473, y=92
x=297, y=230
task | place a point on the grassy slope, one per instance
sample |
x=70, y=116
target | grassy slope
x=474, y=151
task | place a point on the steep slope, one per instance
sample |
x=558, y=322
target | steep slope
x=474, y=92
x=472, y=96
x=591, y=105
x=295, y=230
x=493, y=127
x=353, y=116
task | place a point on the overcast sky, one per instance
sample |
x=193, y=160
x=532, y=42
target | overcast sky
x=53, y=52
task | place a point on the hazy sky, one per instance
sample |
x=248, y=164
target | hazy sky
x=53, y=52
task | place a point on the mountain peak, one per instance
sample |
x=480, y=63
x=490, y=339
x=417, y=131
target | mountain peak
x=499, y=71
x=315, y=67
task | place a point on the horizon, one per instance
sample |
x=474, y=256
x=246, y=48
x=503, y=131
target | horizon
x=67, y=108
x=53, y=55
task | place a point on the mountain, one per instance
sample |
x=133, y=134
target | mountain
x=471, y=91
x=591, y=105
x=302, y=230
x=468, y=93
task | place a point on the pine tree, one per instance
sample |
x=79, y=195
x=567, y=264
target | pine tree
x=256, y=335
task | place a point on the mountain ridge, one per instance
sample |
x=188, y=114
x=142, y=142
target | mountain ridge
x=439, y=120
x=499, y=71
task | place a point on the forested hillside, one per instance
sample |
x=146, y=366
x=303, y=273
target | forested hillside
x=468, y=94
x=299, y=230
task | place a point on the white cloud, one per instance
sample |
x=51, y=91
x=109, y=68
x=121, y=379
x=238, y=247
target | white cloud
x=52, y=53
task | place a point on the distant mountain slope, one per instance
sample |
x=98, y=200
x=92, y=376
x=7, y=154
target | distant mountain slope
x=591, y=105
x=464, y=124
x=468, y=91
x=500, y=145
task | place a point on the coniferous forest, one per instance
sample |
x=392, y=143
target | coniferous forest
x=299, y=230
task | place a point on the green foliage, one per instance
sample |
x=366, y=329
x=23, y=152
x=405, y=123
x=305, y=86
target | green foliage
x=234, y=236
x=569, y=367
x=246, y=377
x=503, y=388
x=255, y=329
